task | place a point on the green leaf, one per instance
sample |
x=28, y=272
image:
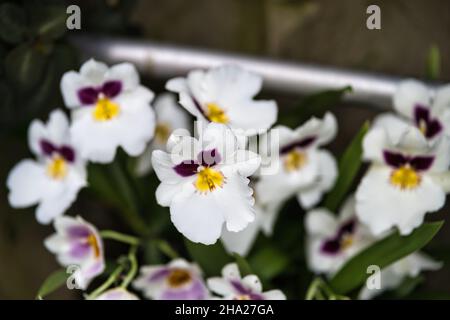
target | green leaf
x=318, y=103
x=243, y=265
x=12, y=23
x=211, y=258
x=48, y=22
x=269, y=262
x=349, y=165
x=433, y=63
x=24, y=67
x=52, y=283
x=383, y=253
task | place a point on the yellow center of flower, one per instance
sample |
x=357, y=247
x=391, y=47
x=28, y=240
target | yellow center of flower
x=162, y=132
x=405, y=177
x=92, y=241
x=216, y=113
x=346, y=242
x=208, y=179
x=178, y=277
x=105, y=109
x=295, y=160
x=57, y=168
x=423, y=126
x=242, y=297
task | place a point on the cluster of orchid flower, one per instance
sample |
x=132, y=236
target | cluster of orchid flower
x=213, y=184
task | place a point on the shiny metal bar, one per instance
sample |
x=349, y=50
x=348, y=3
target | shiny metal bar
x=165, y=61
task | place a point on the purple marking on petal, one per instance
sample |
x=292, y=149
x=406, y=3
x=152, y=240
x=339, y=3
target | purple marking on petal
x=394, y=159
x=256, y=296
x=332, y=245
x=159, y=274
x=422, y=117
x=239, y=287
x=111, y=88
x=196, y=291
x=186, y=168
x=77, y=232
x=209, y=158
x=421, y=163
x=302, y=144
x=80, y=250
x=88, y=95
x=67, y=153
x=47, y=147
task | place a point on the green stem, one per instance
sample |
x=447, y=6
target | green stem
x=313, y=289
x=114, y=235
x=111, y=279
x=130, y=213
x=133, y=267
x=166, y=248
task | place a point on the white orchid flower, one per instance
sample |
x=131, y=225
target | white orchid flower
x=110, y=110
x=394, y=275
x=204, y=182
x=265, y=217
x=424, y=108
x=169, y=117
x=225, y=95
x=408, y=178
x=231, y=286
x=305, y=170
x=77, y=243
x=178, y=280
x=53, y=180
x=332, y=240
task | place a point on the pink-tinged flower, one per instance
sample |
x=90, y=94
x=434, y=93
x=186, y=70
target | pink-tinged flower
x=178, y=280
x=205, y=184
x=426, y=109
x=77, y=242
x=117, y=294
x=225, y=95
x=53, y=180
x=169, y=117
x=231, y=286
x=110, y=110
x=408, y=178
x=331, y=240
x=305, y=169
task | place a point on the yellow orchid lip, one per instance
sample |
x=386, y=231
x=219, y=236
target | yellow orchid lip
x=295, y=160
x=105, y=110
x=178, y=277
x=57, y=168
x=405, y=178
x=216, y=114
x=208, y=179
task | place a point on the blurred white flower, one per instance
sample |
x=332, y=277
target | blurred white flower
x=408, y=178
x=394, y=275
x=331, y=240
x=117, y=294
x=54, y=179
x=265, y=216
x=231, y=286
x=110, y=110
x=225, y=95
x=204, y=182
x=305, y=169
x=178, y=280
x=77, y=242
x=429, y=111
x=169, y=116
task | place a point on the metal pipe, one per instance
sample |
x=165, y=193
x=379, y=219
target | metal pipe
x=165, y=61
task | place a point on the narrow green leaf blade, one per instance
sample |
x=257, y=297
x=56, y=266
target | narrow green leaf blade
x=243, y=265
x=349, y=165
x=383, y=253
x=433, y=63
x=53, y=282
x=269, y=262
x=211, y=258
